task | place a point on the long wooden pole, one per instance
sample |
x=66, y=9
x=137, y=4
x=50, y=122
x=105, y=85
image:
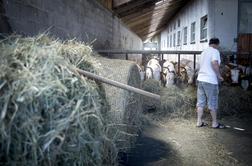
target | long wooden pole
x=118, y=84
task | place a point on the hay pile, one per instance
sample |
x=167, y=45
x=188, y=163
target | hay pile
x=177, y=102
x=181, y=103
x=152, y=86
x=49, y=114
x=234, y=101
x=125, y=107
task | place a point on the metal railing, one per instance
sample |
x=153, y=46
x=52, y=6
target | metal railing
x=161, y=54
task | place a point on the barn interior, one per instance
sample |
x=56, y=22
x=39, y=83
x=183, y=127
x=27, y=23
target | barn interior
x=114, y=82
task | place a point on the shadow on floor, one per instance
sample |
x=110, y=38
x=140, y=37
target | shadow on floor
x=149, y=151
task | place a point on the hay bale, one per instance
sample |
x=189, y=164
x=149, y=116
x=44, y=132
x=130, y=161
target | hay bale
x=49, y=115
x=125, y=107
x=152, y=86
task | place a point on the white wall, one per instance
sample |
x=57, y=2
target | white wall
x=223, y=20
x=192, y=12
x=222, y=23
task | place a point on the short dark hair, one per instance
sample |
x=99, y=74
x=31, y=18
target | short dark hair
x=214, y=41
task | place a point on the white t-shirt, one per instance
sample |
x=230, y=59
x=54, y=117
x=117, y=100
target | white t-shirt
x=206, y=72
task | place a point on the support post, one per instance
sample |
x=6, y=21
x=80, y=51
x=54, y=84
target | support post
x=194, y=61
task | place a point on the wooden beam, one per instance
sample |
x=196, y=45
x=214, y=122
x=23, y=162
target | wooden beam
x=150, y=9
x=147, y=33
x=131, y=5
x=159, y=14
x=107, y=3
x=142, y=14
x=144, y=11
x=151, y=27
x=148, y=21
x=117, y=3
x=115, y=83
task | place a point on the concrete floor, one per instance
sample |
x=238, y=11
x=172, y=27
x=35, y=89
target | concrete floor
x=179, y=142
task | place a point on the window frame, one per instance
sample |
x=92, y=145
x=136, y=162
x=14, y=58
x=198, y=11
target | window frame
x=179, y=38
x=171, y=40
x=203, y=28
x=168, y=40
x=174, y=39
x=193, y=33
x=185, y=35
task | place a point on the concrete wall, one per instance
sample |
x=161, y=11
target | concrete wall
x=85, y=20
x=223, y=18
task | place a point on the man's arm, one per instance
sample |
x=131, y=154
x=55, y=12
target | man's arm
x=216, y=68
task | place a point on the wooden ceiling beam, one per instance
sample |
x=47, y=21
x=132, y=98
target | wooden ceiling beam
x=137, y=9
x=149, y=27
x=149, y=20
x=144, y=17
x=145, y=36
x=143, y=13
x=167, y=5
x=130, y=5
x=117, y=3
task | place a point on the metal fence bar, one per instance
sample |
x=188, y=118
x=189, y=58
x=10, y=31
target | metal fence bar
x=178, y=63
x=194, y=61
x=146, y=52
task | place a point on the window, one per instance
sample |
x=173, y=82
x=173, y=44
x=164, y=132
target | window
x=193, y=32
x=174, y=26
x=174, y=39
x=203, y=28
x=179, y=39
x=178, y=23
x=171, y=29
x=168, y=40
x=185, y=35
x=171, y=41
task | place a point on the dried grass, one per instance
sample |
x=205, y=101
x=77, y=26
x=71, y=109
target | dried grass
x=50, y=115
x=177, y=102
x=152, y=86
x=125, y=107
x=234, y=101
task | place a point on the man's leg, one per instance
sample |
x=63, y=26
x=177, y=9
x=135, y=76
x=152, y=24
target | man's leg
x=212, y=92
x=214, y=118
x=201, y=102
x=200, y=112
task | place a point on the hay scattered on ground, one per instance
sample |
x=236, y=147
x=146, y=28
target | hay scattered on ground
x=50, y=115
x=234, y=101
x=178, y=103
x=181, y=103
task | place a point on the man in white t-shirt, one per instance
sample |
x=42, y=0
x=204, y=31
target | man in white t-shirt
x=208, y=78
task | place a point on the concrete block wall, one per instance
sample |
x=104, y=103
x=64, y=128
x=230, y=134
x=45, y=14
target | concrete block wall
x=85, y=20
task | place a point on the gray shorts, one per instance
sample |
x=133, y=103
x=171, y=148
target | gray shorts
x=207, y=94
